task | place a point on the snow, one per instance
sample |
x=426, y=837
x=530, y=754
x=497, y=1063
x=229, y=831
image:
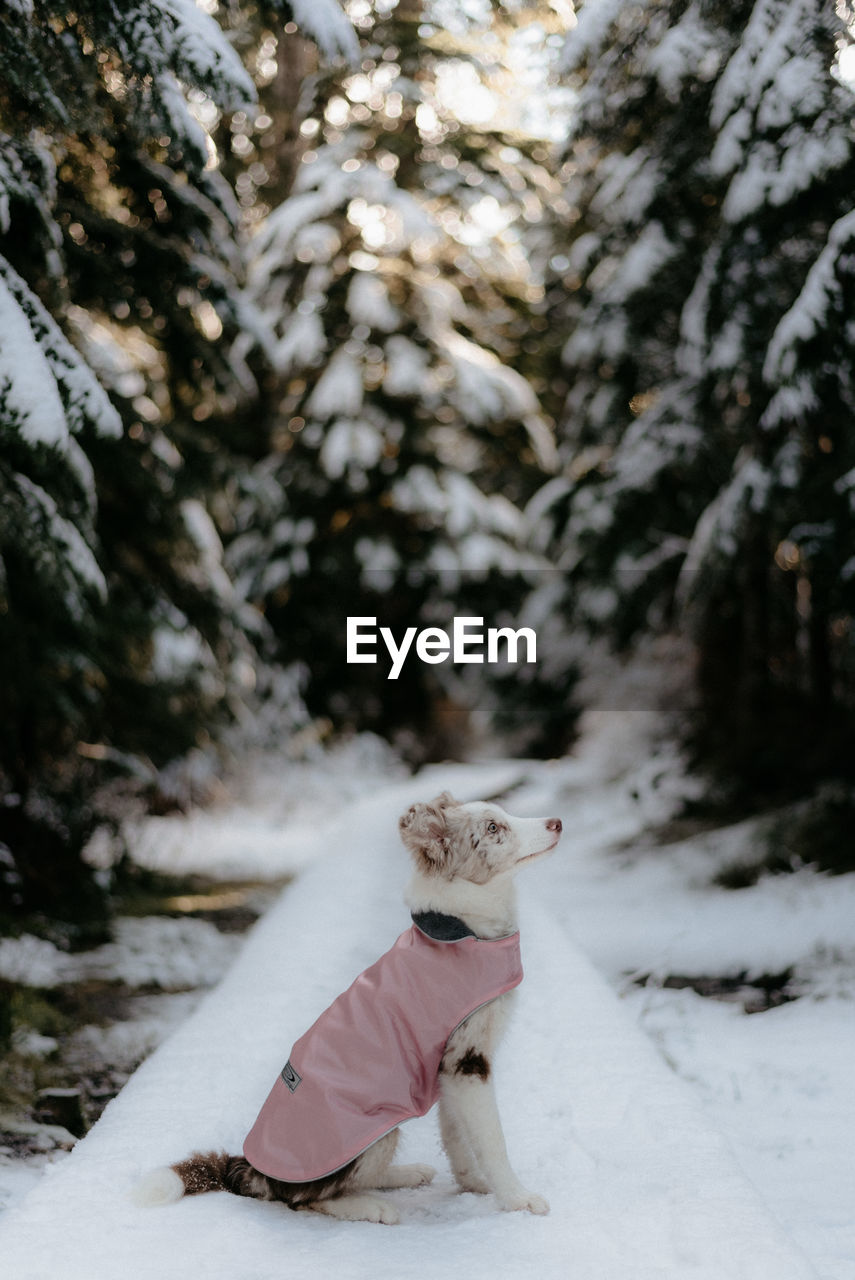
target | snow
x=846, y=482
x=699, y=928
x=351, y=445
x=640, y=1176
x=124, y=1044
x=538, y=513
x=180, y=122
x=456, y=504
x=773, y=178
x=202, y=55
x=800, y=1056
x=30, y=396
x=43, y=365
x=209, y=572
x=792, y=402
x=355, y=434
x=17, y=1177
x=674, y=1136
x=170, y=954
x=586, y=37
x=180, y=651
x=273, y=821
x=776, y=1084
x=820, y=292
x=774, y=27
x=688, y=50
x=165, y=952
x=582, y=345
x=274, y=241
x=637, y=269
x=116, y=357
x=324, y=189
x=718, y=527
x=640, y=1182
x=368, y=303
x=328, y=26
x=484, y=389
x=627, y=186
x=379, y=562
x=776, y=133
x=338, y=389
x=407, y=368
x=652, y=443
x=690, y=360
x=317, y=241
x=78, y=560
x=302, y=344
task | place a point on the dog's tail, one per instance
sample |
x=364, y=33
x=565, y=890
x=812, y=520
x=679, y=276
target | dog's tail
x=201, y=1172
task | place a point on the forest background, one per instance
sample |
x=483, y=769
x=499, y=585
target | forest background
x=519, y=310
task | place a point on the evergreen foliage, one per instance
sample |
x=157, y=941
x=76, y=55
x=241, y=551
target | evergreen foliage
x=398, y=439
x=706, y=439
x=119, y=257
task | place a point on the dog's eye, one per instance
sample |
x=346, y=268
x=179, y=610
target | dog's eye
x=492, y=828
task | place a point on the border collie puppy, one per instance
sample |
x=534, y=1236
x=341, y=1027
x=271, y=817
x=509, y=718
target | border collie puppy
x=418, y=1027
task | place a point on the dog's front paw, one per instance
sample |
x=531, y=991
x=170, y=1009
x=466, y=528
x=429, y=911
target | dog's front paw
x=536, y=1203
x=528, y=1200
x=386, y=1213
x=473, y=1182
x=358, y=1208
x=376, y=1209
x=414, y=1175
x=407, y=1175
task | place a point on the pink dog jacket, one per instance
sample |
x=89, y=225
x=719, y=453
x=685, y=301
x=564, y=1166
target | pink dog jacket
x=372, y=1058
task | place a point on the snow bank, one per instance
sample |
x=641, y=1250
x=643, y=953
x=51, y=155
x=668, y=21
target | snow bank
x=639, y=1182
x=165, y=952
x=779, y=1085
x=288, y=816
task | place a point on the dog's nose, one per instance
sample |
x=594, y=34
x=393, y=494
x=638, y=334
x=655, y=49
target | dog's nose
x=553, y=824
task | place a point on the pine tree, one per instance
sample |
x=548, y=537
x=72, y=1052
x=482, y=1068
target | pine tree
x=810, y=371
x=118, y=255
x=713, y=163
x=399, y=440
x=784, y=194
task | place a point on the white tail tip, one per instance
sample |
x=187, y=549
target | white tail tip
x=159, y=1186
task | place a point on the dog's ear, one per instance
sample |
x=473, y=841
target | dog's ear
x=445, y=800
x=424, y=830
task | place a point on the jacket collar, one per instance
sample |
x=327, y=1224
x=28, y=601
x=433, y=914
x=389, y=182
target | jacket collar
x=440, y=927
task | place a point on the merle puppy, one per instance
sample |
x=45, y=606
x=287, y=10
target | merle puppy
x=418, y=1027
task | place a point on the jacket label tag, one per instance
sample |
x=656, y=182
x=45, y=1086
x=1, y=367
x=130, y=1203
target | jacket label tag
x=290, y=1076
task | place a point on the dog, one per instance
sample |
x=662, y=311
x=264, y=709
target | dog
x=462, y=901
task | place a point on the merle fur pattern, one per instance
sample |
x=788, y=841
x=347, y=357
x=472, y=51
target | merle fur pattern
x=465, y=857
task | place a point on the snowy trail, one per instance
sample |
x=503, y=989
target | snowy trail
x=640, y=1183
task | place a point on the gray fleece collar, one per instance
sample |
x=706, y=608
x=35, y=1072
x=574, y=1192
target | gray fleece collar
x=440, y=927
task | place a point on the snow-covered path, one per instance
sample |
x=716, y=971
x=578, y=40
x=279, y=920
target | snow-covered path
x=640, y=1183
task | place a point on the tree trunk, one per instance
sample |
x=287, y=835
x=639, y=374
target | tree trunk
x=753, y=681
x=290, y=99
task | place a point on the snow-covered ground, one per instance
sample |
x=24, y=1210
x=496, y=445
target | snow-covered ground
x=777, y=1084
x=741, y=1170
x=179, y=957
